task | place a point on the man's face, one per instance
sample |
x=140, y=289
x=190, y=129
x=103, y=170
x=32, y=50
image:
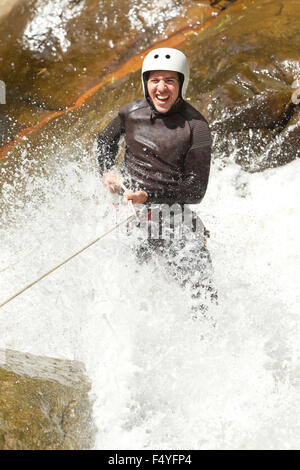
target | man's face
x=163, y=89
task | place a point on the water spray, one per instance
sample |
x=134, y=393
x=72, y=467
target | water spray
x=131, y=217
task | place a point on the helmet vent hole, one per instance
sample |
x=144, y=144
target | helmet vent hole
x=156, y=56
x=168, y=56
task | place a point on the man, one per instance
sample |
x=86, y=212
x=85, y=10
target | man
x=167, y=160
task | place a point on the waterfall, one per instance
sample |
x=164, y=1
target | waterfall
x=160, y=379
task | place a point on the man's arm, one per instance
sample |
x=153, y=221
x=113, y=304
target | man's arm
x=107, y=150
x=107, y=144
x=197, y=164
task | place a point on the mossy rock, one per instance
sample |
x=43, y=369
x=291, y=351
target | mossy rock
x=44, y=403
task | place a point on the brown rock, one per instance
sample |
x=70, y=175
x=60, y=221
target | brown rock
x=285, y=147
x=44, y=403
x=40, y=87
x=6, y=6
x=46, y=65
x=221, y=4
x=8, y=128
x=243, y=68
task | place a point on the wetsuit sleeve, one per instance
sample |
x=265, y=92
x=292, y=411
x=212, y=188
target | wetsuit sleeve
x=107, y=144
x=192, y=187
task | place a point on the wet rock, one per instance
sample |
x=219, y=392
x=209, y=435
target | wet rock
x=40, y=88
x=221, y=4
x=285, y=147
x=8, y=128
x=52, y=51
x=44, y=404
x=243, y=69
x=6, y=6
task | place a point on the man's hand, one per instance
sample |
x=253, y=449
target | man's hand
x=137, y=197
x=112, y=180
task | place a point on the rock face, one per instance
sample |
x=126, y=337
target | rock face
x=44, y=404
x=51, y=51
x=244, y=70
x=47, y=71
x=6, y=6
x=244, y=66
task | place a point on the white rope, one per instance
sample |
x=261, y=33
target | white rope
x=131, y=217
x=130, y=203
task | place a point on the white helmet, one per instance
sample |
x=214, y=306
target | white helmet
x=166, y=58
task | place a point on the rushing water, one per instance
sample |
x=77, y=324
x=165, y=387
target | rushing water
x=159, y=379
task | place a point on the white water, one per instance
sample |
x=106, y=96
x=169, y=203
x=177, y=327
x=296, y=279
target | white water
x=50, y=21
x=160, y=380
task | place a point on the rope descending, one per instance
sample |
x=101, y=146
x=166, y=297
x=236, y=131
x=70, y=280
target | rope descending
x=131, y=217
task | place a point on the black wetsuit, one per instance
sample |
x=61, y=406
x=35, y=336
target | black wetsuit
x=168, y=156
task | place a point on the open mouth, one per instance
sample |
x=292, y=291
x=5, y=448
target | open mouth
x=162, y=98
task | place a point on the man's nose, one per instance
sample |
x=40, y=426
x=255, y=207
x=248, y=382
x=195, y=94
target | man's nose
x=161, y=85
